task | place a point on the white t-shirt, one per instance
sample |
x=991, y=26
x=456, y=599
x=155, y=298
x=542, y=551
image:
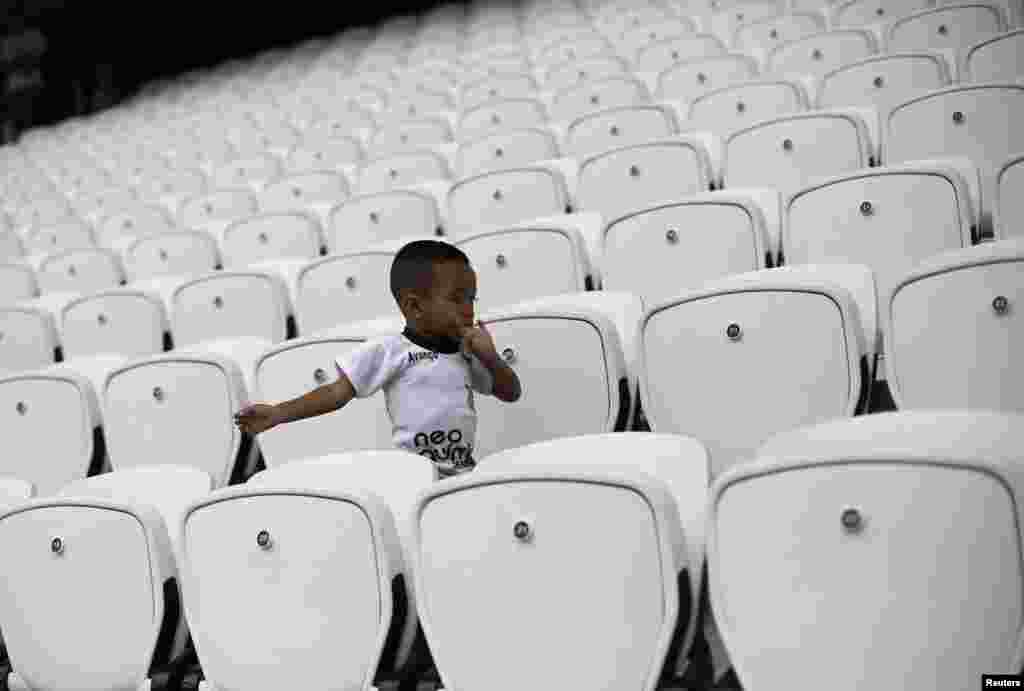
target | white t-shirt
x=429, y=394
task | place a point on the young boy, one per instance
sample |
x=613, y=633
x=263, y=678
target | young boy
x=428, y=372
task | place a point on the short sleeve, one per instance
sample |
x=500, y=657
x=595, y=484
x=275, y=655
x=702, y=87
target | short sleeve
x=480, y=377
x=368, y=367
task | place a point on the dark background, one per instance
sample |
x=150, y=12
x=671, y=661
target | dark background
x=98, y=53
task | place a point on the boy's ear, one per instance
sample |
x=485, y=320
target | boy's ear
x=410, y=304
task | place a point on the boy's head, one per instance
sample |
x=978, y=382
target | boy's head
x=435, y=287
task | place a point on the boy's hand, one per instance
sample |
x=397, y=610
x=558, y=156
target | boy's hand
x=257, y=418
x=477, y=341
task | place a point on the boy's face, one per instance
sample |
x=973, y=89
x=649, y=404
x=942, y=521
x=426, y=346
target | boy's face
x=448, y=309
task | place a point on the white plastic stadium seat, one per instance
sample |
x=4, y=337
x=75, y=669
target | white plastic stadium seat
x=953, y=28
x=52, y=424
x=1009, y=200
x=605, y=577
x=882, y=81
x=176, y=252
x=214, y=211
x=998, y=58
x=345, y=287
x=663, y=251
x=14, y=490
x=953, y=329
x=230, y=304
x=365, y=220
x=313, y=192
x=730, y=108
x=80, y=270
x=265, y=542
x=854, y=14
x=402, y=170
x=28, y=337
x=748, y=356
x=63, y=235
x=619, y=126
x=498, y=116
x=819, y=54
x=176, y=408
x=506, y=149
x=854, y=505
x=272, y=235
x=506, y=196
x=124, y=321
x=17, y=283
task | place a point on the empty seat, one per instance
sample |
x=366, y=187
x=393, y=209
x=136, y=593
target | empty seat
x=325, y=153
x=664, y=251
x=727, y=18
x=52, y=426
x=316, y=192
x=854, y=504
x=569, y=358
x=276, y=138
x=410, y=135
x=953, y=28
x=572, y=72
x=883, y=81
x=497, y=87
x=789, y=151
x=402, y=170
x=998, y=58
x=230, y=304
x=345, y=287
x=526, y=261
x=634, y=40
x=57, y=237
x=953, y=329
x=82, y=270
x=506, y=196
x=296, y=367
x=14, y=491
x=576, y=49
x=142, y=219
x=973, y=121
x=507, y=149
x=249, y=173
x=122, y=551
x=889, y=218
x=416, y=103
x=271, y=236
x=743, y=358
x=17, y=283
x=853, y=14
x=761, y=35
x=592, y=95
x=28, y=338
x=342, y=122
x=515, y=537
x=620, y=181
x=314, y=630
x=176, y=252
x=819, y=54
x=731, y=108
x=497, y=116
x=176, y=408
x=619, y=126
x=690, y=79
x=663, y=54
x=216, y=210
x=1009, y=201
x=174, y=186
x=364, y=220
x=122, y=321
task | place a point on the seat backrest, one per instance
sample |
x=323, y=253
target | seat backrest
x=619, y=126
x=63, y=235
x=748, y=356
x=251, y=172
x=961, y=355
x=997, y=58
x=215, y=210
x=506, y=149
x=1009, y=200
x=789, y=151
x=29, y=338
x=819, y=54
x=325, y=153
x=176, y=252
x=410, y=135
x=83, y=270
x=571, y=72
x=344, y=288
x=570, y=361
x=506, y=196
x=497, y=87
x=854, y=14
x=364, y=220
x=55, y=550
x=592, y=95
x=973, y=121
x=761, y=35
x=853, y=504
x=14, y=490
x=663, y=251
x=142, y=219
x=497, y=116
x=890, y=218
x=731, y=108
x=174, y=409
x=614, y=557
x=272, y=235
x=122, y=321
x=882, y=81
x=402, y=170
x=527, y=261
x=230, y=304
x=952, y=28
x=620, y=181
x=315, y=192
x=329, y=612
x=17, y=283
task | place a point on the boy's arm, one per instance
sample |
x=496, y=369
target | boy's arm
x=478, y=341
x=325, y=399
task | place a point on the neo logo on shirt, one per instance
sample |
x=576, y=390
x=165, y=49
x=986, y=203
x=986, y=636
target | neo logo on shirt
x=445, y=448
x=421, y=356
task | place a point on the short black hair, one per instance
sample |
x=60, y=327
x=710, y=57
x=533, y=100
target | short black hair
x=413, y=266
